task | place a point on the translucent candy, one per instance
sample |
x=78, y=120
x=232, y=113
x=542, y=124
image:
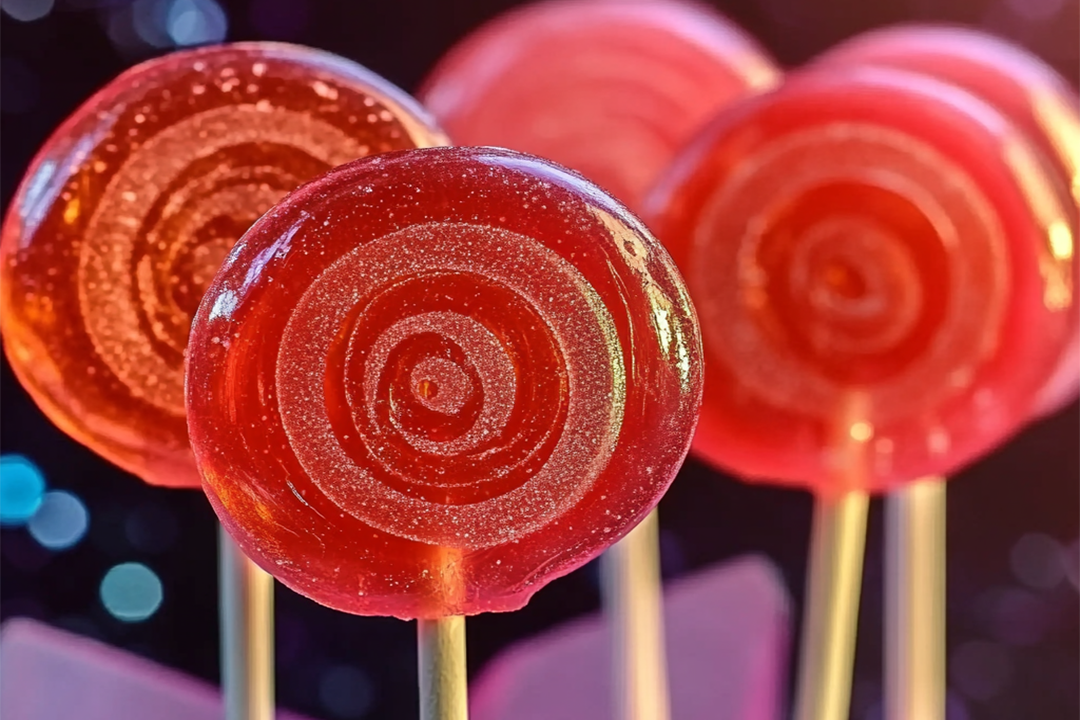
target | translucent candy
x=874, y=258
x=430, y=382
x=133, y=203
x=611, y=88
x=1024, y=89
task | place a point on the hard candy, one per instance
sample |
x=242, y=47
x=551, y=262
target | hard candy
x=872, y=255
x=133, y=203
x=430, y=382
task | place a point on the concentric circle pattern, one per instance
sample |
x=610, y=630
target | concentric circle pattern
x=609, y=88
x=132, y=205
x=432, y=381
x=1022, y=87
x=873, y=257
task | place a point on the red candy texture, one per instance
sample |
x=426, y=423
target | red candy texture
x=131, y=206
x=430, y=382
x=1027, y=91
x=873, y=257
x=611, y=88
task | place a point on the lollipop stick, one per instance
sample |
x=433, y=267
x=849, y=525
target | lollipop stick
x=441, y=651
x=247, y=634
x=832, y=607
x=633, y=602
x=915, y=602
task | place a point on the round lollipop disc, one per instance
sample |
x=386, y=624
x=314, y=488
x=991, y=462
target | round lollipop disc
x=131, y=206
x=873, y=259
x=427, y=383
x=610, y=88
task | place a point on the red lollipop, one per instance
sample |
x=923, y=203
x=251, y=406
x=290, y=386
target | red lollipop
x=872, y=256
x=428, y=383
x=1022, y=87
x=611, y=88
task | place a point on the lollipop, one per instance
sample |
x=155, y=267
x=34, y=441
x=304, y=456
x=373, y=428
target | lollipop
x=125, y=215
x=871, y=255
x=611, y=88
x=1041, y=104
x=429, y=383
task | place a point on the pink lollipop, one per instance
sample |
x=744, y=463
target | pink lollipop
x=611, y=88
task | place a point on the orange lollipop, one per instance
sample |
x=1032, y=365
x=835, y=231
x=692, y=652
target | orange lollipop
x=132, y=204
x=121, y=222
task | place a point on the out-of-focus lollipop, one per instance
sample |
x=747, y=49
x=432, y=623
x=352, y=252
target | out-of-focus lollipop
x=130, y=207
x=430, y=382
x=611, y=88
x=872, y=256
x=1022, y=87
x=121, y=222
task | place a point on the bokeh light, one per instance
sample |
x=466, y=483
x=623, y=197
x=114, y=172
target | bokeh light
x=131, y=592
x=195, y=22
x=346, y=692
x=162, y=24
x=22, y=489
x=60, y=522
x=27, y=10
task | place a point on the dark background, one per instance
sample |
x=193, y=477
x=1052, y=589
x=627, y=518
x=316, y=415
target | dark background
x=1012, y=518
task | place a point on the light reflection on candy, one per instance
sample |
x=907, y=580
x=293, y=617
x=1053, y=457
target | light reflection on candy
x=610, y=88
x=430, y=382
x=133, y=204
x=870, y=253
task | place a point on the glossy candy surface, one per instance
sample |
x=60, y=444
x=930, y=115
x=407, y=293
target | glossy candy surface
x=611, y=88
x=427, y=383
x=1022, y=87
x=133, y=203
x=873, y=258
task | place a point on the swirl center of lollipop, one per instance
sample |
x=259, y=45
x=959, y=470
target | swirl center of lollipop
x=440, y=385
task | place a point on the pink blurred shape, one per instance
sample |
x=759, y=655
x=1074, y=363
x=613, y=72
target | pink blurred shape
x=727, y=642
x=50, y=674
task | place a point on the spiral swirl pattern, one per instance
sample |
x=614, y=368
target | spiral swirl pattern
x=867, y=278
x=454, y=373
x=168, y=218
x=853, y=293
x=421, y=427
x=1026, y=90
x=135, y=202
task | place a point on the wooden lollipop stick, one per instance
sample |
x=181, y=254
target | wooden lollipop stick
x=441, y=652
x=633, y=604
x=832, y=607
x=247, y=634
x=915, y=602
